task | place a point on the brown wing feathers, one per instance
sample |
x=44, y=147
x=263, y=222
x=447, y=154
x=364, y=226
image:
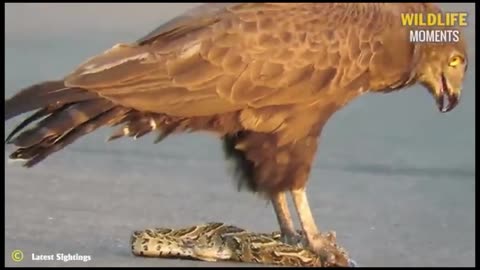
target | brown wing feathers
x=62, y=121
x=38, y=152
x=63, y=114
x=70, y=113
x=42, y=95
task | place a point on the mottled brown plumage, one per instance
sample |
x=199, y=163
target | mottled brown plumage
x=264, y=77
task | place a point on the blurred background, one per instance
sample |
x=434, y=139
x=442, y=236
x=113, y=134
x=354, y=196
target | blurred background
x=393, y=177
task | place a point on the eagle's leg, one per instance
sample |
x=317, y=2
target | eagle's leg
x=287, y=229
x=315, y=240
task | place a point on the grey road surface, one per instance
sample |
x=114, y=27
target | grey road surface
x=393, y=177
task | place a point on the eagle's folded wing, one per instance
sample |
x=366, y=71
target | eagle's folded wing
x=245, y=55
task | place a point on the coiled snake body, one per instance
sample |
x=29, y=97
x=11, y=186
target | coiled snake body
x=219, y=241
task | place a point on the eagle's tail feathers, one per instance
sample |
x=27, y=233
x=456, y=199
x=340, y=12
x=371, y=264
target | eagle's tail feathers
x=37, y=144
x=42, y=95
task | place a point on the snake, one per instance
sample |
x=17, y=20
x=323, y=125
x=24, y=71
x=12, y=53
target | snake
x=217, y=241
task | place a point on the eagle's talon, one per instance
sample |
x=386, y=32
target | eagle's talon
x=352, y=263
x=293, y=240
x=332, y=237
x=328, y=250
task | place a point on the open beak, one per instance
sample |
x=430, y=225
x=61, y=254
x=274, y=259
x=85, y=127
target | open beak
x=446, y=99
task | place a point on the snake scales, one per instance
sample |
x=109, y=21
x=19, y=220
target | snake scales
x=222, y=242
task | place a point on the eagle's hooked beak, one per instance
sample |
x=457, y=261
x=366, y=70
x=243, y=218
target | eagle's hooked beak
x=446, y=97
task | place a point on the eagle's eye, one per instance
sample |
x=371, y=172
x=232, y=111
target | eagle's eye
x=455, y=61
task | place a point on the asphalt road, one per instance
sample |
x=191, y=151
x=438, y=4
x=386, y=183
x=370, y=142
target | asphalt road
x=88, y=199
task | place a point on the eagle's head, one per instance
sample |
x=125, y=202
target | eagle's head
x=441, y=69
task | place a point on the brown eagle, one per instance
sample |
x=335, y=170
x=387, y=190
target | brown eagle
x=264, y=77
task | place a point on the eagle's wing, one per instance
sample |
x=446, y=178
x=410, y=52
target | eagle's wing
x=239, y=56
x=194, y=18
x=283, y=67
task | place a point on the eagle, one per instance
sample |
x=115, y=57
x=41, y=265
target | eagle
x=264, y=78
